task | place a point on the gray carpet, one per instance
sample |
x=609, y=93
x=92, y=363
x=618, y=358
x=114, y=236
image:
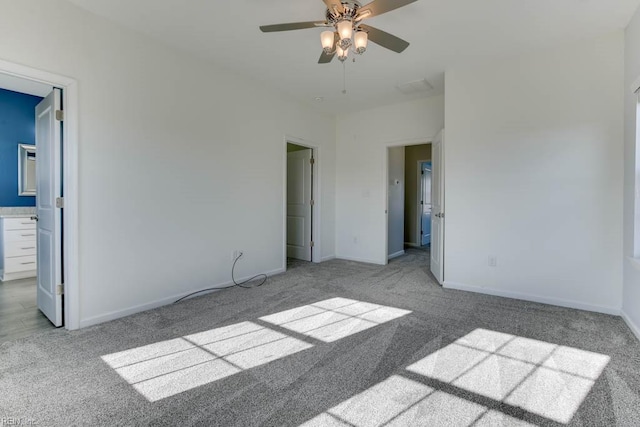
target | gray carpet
x=456, y=359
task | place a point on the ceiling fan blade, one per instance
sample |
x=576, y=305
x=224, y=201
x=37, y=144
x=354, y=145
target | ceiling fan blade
x=378, y=7
x=385, y=39
x=291, y=26
x=334, y=6
x=326, y=58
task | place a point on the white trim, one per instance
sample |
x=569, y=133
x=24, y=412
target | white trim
x=385, y=184
x=396, y=254
x=327, y=258
x=362, y=260
x=316, y=209
x=634, y=328
x=534, y=298
x=70, y=181
x=635, y=262
x=113, y=315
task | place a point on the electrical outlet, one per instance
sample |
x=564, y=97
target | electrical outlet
x=492, y=261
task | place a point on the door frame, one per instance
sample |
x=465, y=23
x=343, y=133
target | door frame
x=69, y=164
x=316, y=209
x=419, y=207
x=385, y=183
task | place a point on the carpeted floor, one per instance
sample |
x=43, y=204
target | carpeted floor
x=420, y=355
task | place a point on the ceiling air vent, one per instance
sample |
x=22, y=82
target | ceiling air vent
x=416, y=86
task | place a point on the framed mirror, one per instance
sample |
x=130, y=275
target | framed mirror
x=26, y=170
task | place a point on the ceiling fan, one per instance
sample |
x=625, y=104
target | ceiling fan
x=346, y=17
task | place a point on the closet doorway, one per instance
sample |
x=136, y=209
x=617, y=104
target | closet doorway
x=300, y=202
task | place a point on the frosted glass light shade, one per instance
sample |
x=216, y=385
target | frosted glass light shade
x=326, y=38
x=360, y=41
x=342, y=53
x=344, y=29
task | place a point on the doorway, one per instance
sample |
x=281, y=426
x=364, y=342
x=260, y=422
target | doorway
x=396, y=167
x=23, y=135
x=407, y=198
x=299, y=203
x=34, y=228
x=424, y=207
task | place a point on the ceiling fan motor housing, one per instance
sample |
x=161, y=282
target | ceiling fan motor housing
x=350, y=11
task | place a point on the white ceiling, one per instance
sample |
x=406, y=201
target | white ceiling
x=443, y=33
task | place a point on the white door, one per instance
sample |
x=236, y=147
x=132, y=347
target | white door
x=425, y=203
x=299, y=202
x=48, y=188
x=437, y=208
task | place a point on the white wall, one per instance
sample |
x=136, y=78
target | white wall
x=631, y=294
x=395, y=195
x=534, y=157
x=180, y=162
x=361, y=183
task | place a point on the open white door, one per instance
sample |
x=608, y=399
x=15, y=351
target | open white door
x=425, y=203
x=48, y=189
x=299, y=203
x=437, y=207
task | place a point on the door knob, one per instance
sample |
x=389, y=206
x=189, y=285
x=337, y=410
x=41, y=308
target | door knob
x=35, y=217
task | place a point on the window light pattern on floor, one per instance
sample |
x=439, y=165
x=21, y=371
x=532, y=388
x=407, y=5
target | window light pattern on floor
x=166, y=368
x=170, y=367
x=335, y=318
x=399, y=402
x=545, y=379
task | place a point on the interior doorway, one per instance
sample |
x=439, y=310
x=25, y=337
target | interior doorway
x=32, y=265
x=28, y=260
x=299, y=202
x=408, y=198
x=424, y=207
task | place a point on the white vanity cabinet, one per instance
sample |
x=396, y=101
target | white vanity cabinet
x=18, y=250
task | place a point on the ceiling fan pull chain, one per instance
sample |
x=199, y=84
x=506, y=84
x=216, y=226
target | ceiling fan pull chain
x=344, y=78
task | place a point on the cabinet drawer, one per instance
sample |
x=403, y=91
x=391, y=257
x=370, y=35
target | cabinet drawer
x=13, y=249
x=21, y=263
x=19, y=235
x=19, y=223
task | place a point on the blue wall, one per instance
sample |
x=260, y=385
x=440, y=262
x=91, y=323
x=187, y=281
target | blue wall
x=17, y=125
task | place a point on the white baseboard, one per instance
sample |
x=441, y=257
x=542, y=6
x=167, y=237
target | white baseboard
x=15, y=276
x=113, y=315
x=396, y=254
x=327, y=258
x=365, y=261
x=634, y=328
x=534, y=298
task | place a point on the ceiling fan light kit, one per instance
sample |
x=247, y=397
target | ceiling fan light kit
x=346, y=17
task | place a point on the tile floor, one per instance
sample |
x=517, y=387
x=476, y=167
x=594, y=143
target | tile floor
x=19, y=314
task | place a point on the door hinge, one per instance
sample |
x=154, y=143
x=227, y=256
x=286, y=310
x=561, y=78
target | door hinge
x=312, y=243
x=312, y=161
x=312, y=202
x=421, y=172
x=60, y=289
x=59, y=115
x=60, y=202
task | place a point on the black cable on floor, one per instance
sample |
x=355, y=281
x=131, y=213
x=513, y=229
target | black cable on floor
x=240, y=284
